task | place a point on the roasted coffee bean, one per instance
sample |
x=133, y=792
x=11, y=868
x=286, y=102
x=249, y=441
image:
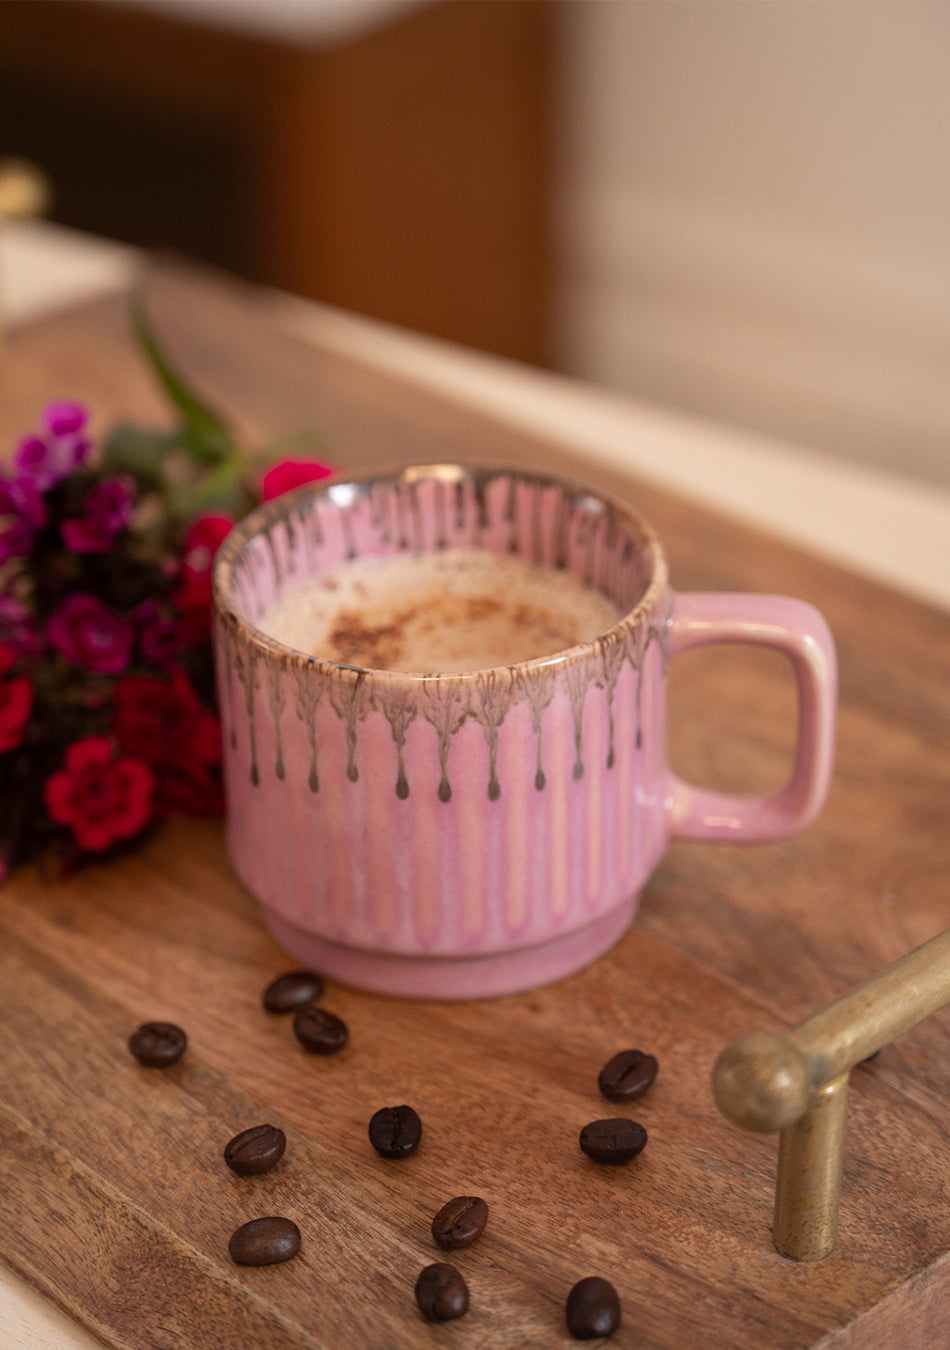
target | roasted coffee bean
x=613, y=1141
x=627, y=1075
x=441, y=1293
x=158, y=1044
x=593, y=1309
x=395, y=1131
x=264, y=1242
x=255, y=1150
x=292, y=991
x=460, y=1222
x=319, y=1031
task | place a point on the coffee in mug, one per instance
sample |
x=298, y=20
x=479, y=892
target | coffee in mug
x=443, y=697
x=458, y=609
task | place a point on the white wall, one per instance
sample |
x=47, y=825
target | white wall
x=755, y=221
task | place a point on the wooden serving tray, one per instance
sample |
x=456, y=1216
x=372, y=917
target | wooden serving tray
x=114, y=1198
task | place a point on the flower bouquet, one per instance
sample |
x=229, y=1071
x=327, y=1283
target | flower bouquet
x=107, y=713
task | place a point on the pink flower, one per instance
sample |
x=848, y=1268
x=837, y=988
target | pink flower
x=102, y=797
x=16, y=540
x=33, y=460
x=46, y=459
x=90, y=634
x=24, y=511
x=292, y=473
x=21, y=497
x=64, y=418
x=108, y=510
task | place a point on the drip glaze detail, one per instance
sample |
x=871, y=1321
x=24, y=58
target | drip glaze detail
x=533, y=517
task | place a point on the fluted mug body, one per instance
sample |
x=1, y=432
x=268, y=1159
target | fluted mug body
x=468, y=834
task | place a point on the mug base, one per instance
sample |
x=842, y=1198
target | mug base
x=454, y=978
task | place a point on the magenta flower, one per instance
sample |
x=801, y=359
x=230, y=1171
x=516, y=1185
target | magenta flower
x=33, y=459
x=64, y=418
x=16, y=540
x=22, y=513
x=90, y=634
x=44, y=460
x=16, y=626
x=158, y=636
x=21, y=497
x=108, y=510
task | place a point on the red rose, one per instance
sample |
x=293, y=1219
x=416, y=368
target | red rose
x=165, y=723
x=16, y=703
x=192, y=790
x=203, y=540
x=192, y=598
x=101, y=796
x=192, y=603
x=292, y=473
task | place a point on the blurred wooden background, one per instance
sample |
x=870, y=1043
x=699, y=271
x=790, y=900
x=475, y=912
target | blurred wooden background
x=737, y=210
x=398, y=167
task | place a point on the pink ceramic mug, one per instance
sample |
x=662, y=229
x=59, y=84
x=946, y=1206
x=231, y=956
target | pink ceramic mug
x=464, y=835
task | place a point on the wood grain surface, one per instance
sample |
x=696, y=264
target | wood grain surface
x=114, y=1198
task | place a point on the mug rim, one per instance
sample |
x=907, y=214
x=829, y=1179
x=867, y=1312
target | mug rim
x=269, y=513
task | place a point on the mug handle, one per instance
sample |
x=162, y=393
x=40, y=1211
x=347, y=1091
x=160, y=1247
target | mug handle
x=798, y=631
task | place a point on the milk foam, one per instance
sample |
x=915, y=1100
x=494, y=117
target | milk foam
x=439, y=612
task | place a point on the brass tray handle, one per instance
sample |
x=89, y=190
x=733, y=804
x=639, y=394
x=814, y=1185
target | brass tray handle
x=798, y=1083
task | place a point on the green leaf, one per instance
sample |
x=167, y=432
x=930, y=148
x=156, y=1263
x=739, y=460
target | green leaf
x=222, y=489
x=205, y=434
x=307, y=443
x=139, y=451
